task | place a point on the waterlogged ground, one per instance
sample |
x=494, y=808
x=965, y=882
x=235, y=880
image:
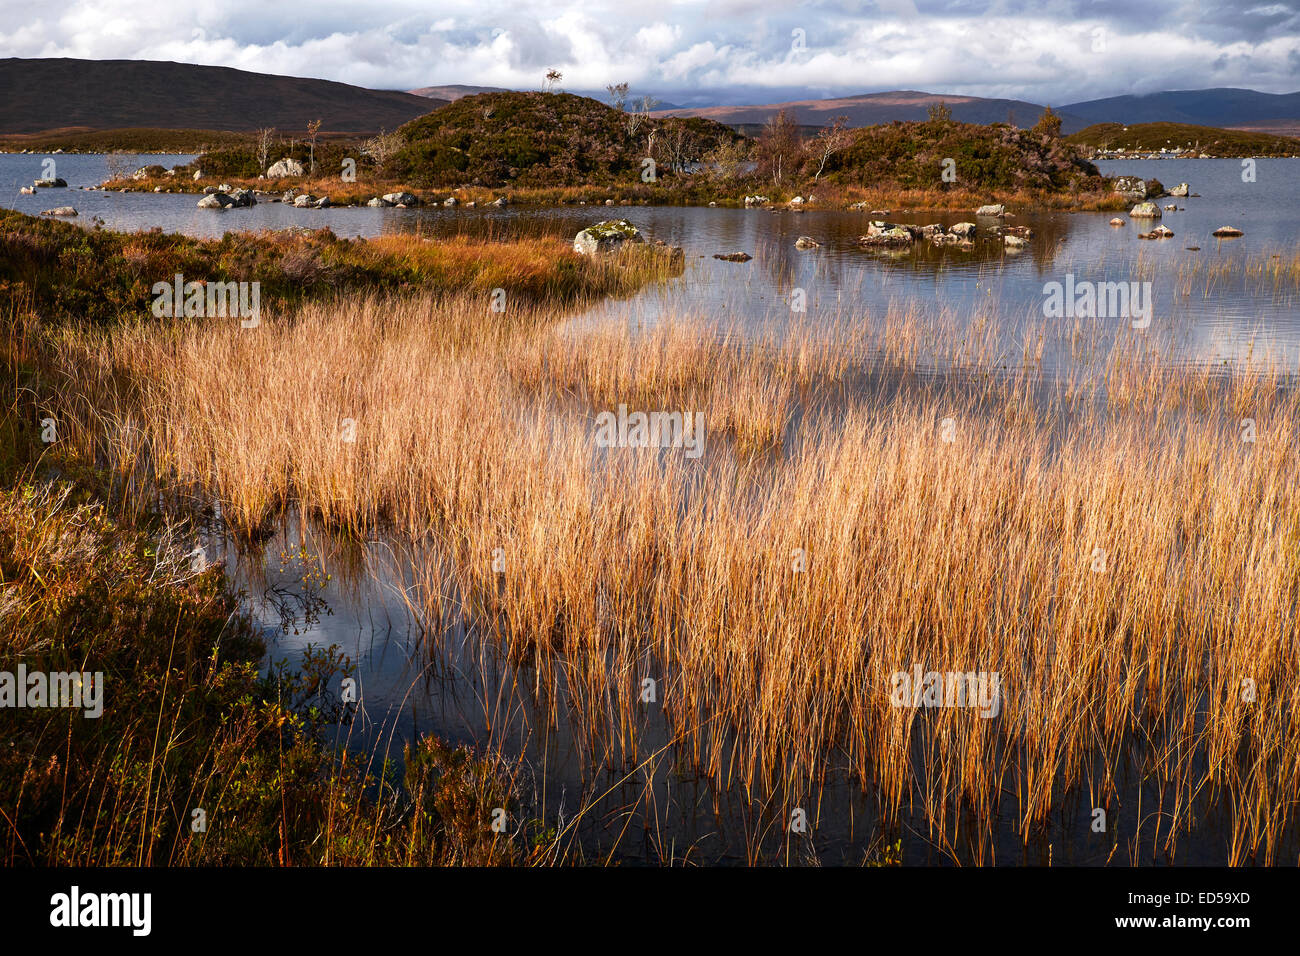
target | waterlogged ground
x=308, y=589
x=646, y=808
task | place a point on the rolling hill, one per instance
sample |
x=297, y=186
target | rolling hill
x=1277, y=113
x=544, y=140
x=870, y=109
x=48, y=94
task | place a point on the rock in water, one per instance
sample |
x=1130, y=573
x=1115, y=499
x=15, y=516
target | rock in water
x=60, y=211
x=1117, y=221
x=1145, y=210
x=887, y=234
x=995, y=211
x=806, y=242
x=963, y=229
x=216, y=200
x=605, y=237
x=405, y=199
x=1135, y=187
x=733, y=256
x=1181, y=190
x=1159, y=232
x=55, y=183
x=1227, y=232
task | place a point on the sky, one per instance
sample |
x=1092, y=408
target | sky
x=698, y=53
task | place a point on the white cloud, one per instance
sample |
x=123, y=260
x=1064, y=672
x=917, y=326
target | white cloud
x=677, y=48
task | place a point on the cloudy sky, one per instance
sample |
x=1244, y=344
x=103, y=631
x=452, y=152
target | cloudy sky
x=686, y=52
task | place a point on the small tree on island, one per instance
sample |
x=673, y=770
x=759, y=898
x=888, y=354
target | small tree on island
x=1049, y=124
x=265, y=137
x=830, y=140
x=641, y=113
x=618, y=95
x=939, y=114
x=727, y=159
x=119, y=165
x=779, y=146
x=383, y=147
x=312, y=129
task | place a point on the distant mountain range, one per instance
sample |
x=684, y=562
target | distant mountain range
x=869, y=109
x=70, y=94
x=61, y=94
x=1277, y=113
x=455, y=91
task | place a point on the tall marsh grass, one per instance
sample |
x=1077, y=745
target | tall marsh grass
x=1122, y=547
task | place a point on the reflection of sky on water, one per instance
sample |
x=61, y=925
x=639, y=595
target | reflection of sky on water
x=1202, y=320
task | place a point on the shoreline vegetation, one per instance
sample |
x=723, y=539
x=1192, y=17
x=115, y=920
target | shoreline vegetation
x=554, y=148
x=1113, y=549
x=560, y=149
x=192, y=721
x=1186, y=141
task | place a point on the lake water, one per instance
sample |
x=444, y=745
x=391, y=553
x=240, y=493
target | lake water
x=1206, y=311
x=1202, y=315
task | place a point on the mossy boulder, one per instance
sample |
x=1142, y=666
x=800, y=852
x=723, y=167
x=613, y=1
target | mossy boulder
x=605, y=237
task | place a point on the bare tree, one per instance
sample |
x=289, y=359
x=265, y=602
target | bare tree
x=312, y=129
x=726, y=160
x=553, y=78
x=617, y=94
x=830, y=140
x=383, y=147
x=681, y=144
x=641, y=113
x=264, y=139
x=779, y=145
x=119, y=165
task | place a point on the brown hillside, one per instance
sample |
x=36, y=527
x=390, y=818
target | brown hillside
x=45, y=94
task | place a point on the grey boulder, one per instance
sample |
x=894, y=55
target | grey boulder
x=605, y=237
